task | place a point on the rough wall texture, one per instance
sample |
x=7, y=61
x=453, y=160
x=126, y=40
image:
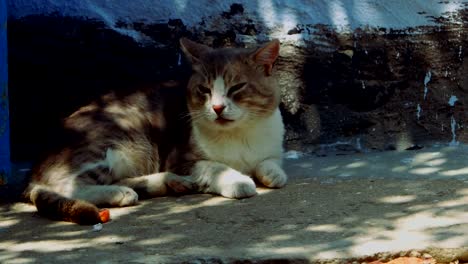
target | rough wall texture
x=353, y=89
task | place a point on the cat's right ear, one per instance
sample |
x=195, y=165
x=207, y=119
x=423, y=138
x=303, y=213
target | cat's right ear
x=192, y=50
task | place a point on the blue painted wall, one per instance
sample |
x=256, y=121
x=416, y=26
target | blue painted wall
x=5, y=165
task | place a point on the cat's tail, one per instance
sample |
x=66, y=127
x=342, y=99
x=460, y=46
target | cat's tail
x=57, y=207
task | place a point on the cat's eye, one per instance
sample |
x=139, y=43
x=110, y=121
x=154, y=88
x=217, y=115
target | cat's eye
x=236, y=88
x=204, y=90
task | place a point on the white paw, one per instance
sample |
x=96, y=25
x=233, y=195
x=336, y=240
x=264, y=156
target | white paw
x=126, y=196
x=271, y=175
x=240, y=187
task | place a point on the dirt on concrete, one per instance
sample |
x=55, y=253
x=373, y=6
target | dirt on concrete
x=336, y=209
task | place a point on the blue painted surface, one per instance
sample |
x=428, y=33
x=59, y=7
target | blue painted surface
x=5, y=164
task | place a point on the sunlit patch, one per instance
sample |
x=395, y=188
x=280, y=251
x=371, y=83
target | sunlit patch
x=339, y=16
x=305, y=165
x=422, y=158
x=462, y=200
x=214, y=201
x=463, y=192
x=14, y=259
x=328, y=228
x=357, y=164
x=8, y=222
x=72, y=233
x=400, y=169
x=161, y=240
x=44, y=245
x=23, y=207
x=398, y=199
x=289, y=227
x=457, y=172
x=279, y=238
x=424, y=171
x=262, y=191
x=109, y=239
x=118, y=212
x=181, y=4
x=331, y=168
x=426, y=220
x=436, y=162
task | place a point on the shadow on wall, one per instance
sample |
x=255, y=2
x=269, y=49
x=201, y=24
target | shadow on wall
x=311, y=218
x=58, y=64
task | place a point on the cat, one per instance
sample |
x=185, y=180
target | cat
x=213, y=133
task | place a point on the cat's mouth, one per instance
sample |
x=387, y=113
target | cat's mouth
x=223, y=121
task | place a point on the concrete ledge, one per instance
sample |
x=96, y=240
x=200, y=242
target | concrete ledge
x=335, y=208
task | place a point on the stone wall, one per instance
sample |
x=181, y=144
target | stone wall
x=398, y=82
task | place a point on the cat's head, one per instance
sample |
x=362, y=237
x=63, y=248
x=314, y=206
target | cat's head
x=231, y=87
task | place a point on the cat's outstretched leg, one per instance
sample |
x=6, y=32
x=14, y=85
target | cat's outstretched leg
x=106, y=195
x=270, y=173
x=159, y=184
x=215, y=177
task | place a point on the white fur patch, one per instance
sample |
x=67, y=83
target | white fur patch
x=219, y=92
x=115, y=161
x=244, y=150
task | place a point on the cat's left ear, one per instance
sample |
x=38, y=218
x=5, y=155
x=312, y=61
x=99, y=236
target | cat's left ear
x=193, y=51
x=267, y=55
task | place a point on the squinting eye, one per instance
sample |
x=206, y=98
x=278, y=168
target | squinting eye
x=204, y=90
x=236, y=88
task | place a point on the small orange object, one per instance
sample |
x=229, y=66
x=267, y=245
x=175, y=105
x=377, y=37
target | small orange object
x=104, y=214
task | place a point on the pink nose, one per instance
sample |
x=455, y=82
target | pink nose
x=218, y=108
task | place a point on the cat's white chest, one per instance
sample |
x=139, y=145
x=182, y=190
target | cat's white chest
x=244, y=151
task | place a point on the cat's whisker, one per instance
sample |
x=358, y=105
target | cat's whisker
x=193, y=116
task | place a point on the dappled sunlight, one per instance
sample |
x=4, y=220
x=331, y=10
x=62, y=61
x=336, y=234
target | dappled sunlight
x=319, y=214
x=161, y=240
x=457, y=172
x=44, y=246
x=181, y=5
x=279, y=238
x=328, y=228
x=7, y=222
x=461, y=201
x=357, y=164
x=365, y=11
x=424, y=171
x=339, y=15
x=214, y=201
x=395, y=199
x=280, y=20
x=439, y=162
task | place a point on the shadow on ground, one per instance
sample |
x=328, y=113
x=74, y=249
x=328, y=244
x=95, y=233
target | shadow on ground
x=333, y=207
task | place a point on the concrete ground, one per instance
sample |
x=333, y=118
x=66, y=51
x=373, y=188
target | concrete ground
x=334, y=207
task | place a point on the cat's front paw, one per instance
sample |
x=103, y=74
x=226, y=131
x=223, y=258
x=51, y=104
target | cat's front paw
x=125, y=196
x=271, y=175
x=238, y=187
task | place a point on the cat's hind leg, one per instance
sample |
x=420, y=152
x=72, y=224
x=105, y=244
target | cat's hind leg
x=159, y=184
x=106, y=195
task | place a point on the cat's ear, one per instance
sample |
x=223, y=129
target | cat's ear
x=267, y=55
x=193, y=50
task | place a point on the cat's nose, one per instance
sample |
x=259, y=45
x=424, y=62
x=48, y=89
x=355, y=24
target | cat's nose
x=218, y=108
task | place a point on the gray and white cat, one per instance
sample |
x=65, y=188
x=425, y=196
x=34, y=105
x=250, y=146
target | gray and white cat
x=212, y=134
